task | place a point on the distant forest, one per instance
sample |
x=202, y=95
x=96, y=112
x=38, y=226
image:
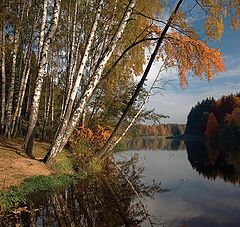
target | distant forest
x=160, y=130
x=216, y=119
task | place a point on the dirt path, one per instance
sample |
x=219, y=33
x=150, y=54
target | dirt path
x=15, y=167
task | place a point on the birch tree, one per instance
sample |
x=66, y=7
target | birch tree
x=68, y=126
x=23, y=84
x=12, y=83
x=3, y=92
x=40, y=76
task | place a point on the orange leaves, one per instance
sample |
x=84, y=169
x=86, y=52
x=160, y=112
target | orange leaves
x=233, y=119
x=155, y=29
x=189, y=54
x=97, y=136
x=100, y=135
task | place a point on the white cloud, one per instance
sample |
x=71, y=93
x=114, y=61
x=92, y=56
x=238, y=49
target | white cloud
x=177, y=104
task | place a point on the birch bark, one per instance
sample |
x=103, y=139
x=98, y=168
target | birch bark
x=68, y=126
x=23, y=84
x=40, y=76
x=3, y=107
x=12, y=83
x=43, y=27
x=71, y=60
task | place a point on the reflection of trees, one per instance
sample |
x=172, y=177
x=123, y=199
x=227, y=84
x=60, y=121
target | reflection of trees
x=214, y=161
x=151, y=143
x=105, y=200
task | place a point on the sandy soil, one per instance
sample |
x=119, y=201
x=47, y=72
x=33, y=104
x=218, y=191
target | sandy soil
x=15, y=166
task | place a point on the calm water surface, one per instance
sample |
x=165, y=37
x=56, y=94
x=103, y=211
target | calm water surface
x=204, y=184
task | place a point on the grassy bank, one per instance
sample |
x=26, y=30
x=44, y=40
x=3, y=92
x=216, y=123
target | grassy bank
x=17, y=195
x=21, y=176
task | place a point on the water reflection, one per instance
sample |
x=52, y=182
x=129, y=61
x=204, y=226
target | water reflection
x=106, y=200
x=155, y=143
x=214, y=161
x=194, y=200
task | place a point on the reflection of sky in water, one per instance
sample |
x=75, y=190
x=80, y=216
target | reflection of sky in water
x=192, y=200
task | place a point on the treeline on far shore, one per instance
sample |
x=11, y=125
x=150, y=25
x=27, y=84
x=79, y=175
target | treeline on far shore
x=216, y=119
x=168, y=130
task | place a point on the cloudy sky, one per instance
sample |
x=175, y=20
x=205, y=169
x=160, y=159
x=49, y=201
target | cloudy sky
x=176, y=103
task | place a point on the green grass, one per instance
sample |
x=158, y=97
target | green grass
x=15, y=196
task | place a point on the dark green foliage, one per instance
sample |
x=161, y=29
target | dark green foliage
x=198, y=116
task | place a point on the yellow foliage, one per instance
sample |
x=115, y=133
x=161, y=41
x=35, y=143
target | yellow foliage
x=216, y=9
x=214, y=27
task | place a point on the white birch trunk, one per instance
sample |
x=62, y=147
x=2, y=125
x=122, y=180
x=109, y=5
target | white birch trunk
x=71, y=60
x=47, y=104
x=23, y=84
x=84, y=61
x=43, y=27
x=68, y=106
x=41, y=72
x=52, y=100
x=21, y=96
x=68, y=126
x=12, y=84
x=3, y=107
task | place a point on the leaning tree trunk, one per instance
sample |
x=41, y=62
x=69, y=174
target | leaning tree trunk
x=68, y=126
x=67, y=108
x=28, y=143
x=47, y=103
x=70, y=71
x=111, y=139
x=120, y=137
x=12, y=83
x=3, y=107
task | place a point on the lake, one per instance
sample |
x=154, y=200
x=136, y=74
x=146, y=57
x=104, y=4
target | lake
x=181, y=185
x=204, y=184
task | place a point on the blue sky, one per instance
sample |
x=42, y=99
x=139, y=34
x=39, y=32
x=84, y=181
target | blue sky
x=176, y=103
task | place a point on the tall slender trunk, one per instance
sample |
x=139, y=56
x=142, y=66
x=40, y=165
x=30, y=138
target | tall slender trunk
x=12, y=83
x=114, y=143
x=111, y=139
x=47, y=104
x=3, y=107
x=71, y=59
x=52, y=100
x=83, y=64
x=29, y=95
x=21, y=12
x=67, y=127
x=43, y=27
x=72, y=95
x=23, y=84
x=40, y=76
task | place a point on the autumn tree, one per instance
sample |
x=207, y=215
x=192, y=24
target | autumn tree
x=63, y=60
x=212, y=126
